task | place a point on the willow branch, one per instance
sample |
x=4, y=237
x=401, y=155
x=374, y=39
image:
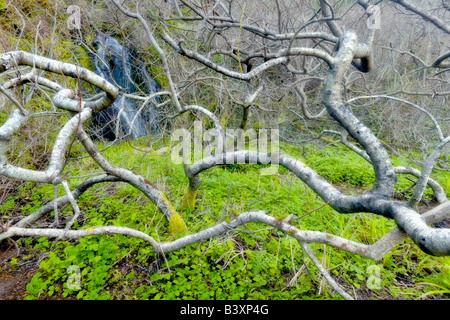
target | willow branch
x=439, y=62
x=426, y=171
x=32, y=218
x=150, y=190
x=429, y=115
x=158, y=49
x=385, y=178
x=425, y=15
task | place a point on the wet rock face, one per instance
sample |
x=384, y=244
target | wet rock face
x=121, y=66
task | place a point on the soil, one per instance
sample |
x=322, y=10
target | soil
x=14, y=283
x=14, y=279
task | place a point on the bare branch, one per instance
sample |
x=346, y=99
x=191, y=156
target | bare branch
x=384, y=175
x=439, y=62
x=426, y=16
x=426, y=171
x=137, y=181
x=157, y=48
x=432, y=118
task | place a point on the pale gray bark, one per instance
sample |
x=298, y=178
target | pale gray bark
x=435, y=241
x=155, y=45
x=426, y=171
x=331, y=22
x=32, y=218
x=429, y=115
x=82, y=109
x=215, y=121
x=350, y=145
x=56, y=162
x=438, y=191
x=14, y=59
x=424, y=14
x=304, y=105
x=374, y=252
x=439, y=62
x=348, y=51
x=385, y=178
x=136, y=180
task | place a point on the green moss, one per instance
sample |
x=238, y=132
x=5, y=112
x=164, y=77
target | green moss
x=2, y=5
x=169, y=204
x=176, y=224
x=188, y=201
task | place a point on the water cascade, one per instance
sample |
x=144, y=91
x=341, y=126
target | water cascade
x=120, y=66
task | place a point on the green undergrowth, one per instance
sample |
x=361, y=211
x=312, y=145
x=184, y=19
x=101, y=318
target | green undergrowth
x=252, y=262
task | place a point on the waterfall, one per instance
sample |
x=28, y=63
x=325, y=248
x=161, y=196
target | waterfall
x=120, y=66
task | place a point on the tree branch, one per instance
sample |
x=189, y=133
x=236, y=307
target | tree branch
x=426, y=16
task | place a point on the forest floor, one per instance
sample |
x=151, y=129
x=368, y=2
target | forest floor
x=14, y=279
x=407, y=271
